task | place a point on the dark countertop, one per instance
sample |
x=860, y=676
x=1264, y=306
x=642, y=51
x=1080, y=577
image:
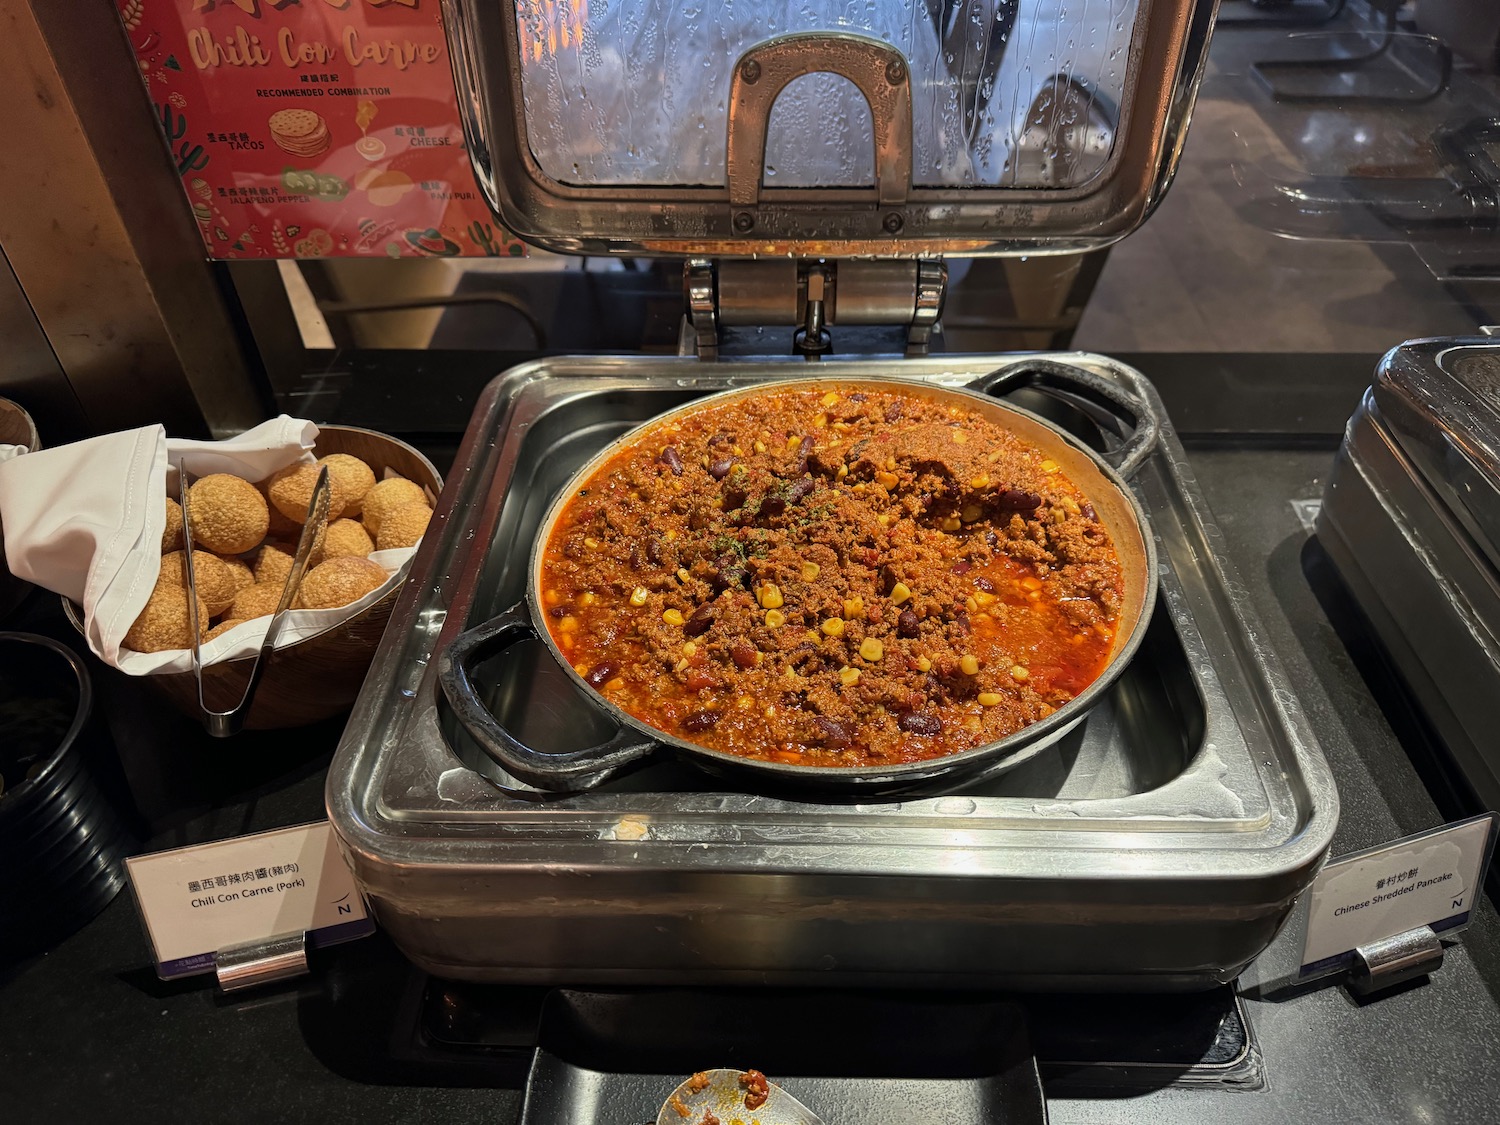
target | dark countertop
x=88, y=1033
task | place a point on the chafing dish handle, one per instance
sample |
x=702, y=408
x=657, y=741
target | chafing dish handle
x=1065, y=381
x=569, y=771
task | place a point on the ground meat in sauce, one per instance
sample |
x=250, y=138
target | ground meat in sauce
x=757, y=1089
x=814, y=578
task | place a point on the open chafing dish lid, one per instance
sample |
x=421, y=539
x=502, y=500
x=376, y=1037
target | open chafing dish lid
x=1440, y=400
x=825, y=129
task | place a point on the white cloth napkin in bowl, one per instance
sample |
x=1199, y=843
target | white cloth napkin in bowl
x=86, y=520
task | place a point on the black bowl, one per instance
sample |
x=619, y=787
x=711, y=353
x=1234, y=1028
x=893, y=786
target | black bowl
x=62, y=841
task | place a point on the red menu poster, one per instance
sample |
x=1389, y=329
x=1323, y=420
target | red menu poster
x=314, y=128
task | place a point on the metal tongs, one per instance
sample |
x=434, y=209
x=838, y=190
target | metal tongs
x=223, y=724
x=724, y=1097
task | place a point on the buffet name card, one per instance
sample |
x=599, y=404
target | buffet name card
x=1430, y=879
x=199, y=900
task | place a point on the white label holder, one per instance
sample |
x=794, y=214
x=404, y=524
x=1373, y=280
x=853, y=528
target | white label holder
x=247, y=909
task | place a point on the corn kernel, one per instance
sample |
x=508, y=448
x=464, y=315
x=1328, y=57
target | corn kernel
x=821, y=421
x=1019, y=674
x=672, y=616
x=842, y=427
x=854, y=607
x=587, y=598
x=760, y=446
x=830, y=398
x=970, y=513
x=615, y=684
x=670, y=534
x=775, y=618
x=1031, y=583
x=886, y=481
x=591, y=543
x=1071, y=506
x=951, y=524
x=745, y=702
x=900, y=592
x=682, y=574
x=960, y=437
x=689, y=648
x=988, y=699
x=972, y=724
x=842, y=473
x=638, y=596
x=1049, y=466
x=566, y=643
x=971, y=604
x=848, y=676
x=793, y=441
x=981, y=481
x=810, y=571
x=681, y=665
x=581, y=669
x=969, y=665
x=770, y=712
x=551, y=597
x=738, y=452
x=984, y=599
x=811, y=635
x=789, y=673
x=883, y=520
x=769, y=596
x=924, y=664
x=1034, y=596
x=871, y=649
x=567, y=624
x=1077, y=639
x=834, y=626
x=890, y=463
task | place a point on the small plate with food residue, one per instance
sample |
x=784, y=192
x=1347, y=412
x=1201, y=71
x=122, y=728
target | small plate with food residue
x=733, y=1097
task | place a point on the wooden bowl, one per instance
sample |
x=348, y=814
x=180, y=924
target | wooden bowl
x=16, y=428
x=319, y=676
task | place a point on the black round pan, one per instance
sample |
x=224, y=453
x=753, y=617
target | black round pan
x=1100, y=477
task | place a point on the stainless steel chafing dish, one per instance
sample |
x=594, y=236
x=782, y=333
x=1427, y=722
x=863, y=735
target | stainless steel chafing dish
x=1161, y=843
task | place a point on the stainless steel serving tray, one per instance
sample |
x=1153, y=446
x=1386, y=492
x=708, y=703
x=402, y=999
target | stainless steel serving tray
x=1161, y=846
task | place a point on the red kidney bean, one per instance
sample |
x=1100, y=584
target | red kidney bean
x=907, y=624
x=672, y=460
x=830, y=732
x=983, y=583
x=962, y=566
x=701, y=619
x=858, y=396
x=915, y=722
x=961, y=619
x=893, y=410
x=771, y=506
x=719, y=438
x=743, y=655
x=602, y=673
x=1017, y=500
x=798, y=490
x=991, y=539
x=1088, y=511
x=700, y=721
x=735, y=495
x=720, y=469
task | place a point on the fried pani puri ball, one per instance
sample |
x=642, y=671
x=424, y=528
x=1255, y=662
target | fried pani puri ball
x=228, y=515
x=273, y=562
x=166, y=622
x=171, y=536
x=216, y=585
x=290, y=491
x=241, y=573
x=338, y=582
x=386, y=496
x=221, y=628
x=281, y=527
x=346, y=539
x=403, y=526
x=354, y=478
x=259, y=600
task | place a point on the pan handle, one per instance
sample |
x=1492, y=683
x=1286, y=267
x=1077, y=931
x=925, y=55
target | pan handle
x=567, y=772
x=1064, y=380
